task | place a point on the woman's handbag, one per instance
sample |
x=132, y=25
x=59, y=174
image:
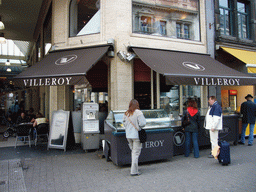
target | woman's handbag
x=186, y=121
x=142, y=133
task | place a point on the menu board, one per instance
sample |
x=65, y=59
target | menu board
x=59, y=130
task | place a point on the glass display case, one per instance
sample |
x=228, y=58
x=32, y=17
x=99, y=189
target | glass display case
x=155, y=119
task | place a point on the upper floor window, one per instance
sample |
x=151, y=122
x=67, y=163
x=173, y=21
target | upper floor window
x=243, y=20
x=183, y=31
x=84, y=17
x=176, y=19
x=225, y=17
x=228, y=15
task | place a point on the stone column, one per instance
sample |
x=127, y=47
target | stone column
x=117, y=24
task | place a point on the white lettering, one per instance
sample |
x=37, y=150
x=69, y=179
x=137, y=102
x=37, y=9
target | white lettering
x=225, y=81
x=213, y=82
x=47, y=81
x=206, y=82
x=35, y=83
x=25, y=82
x=231, y=81
x=68, y=80
x=40, y=82
x=162, y=142
x=54, y=81
x=219, y=81
x=31, y=81
x=202, y=81
x=197, y=80
x=237, y=81
x=154, y=144
x=59, y=81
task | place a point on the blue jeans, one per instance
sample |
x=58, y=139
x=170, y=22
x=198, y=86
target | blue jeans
x=250, y=140
x=195, y=144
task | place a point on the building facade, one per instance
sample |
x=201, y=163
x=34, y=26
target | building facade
x=133, y=29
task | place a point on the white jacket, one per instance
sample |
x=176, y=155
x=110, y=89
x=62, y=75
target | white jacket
x=213, y=122
x=138, y=120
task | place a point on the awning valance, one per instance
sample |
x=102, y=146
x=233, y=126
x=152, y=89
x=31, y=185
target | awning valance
x=182, y=68
x=66, y=67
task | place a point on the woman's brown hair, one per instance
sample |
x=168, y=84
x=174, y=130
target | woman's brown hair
x=134, y=104
x=192, y=103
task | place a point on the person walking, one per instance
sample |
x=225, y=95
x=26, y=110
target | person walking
x=248, y=112
x=132, y=118
x=213, y=122
x=192, y=113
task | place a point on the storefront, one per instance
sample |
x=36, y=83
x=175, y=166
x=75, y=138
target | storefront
x=172, y=77
x=243, y=60
x=80, y=75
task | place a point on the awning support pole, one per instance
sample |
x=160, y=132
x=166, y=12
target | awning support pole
x=158, y=90
x=152, y=89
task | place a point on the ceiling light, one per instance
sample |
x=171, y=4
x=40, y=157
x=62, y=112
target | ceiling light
x=2, y=39
x=8, y=62
x=1, y=24
x=8, y=70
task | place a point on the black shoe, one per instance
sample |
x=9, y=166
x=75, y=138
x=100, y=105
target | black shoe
x=241, y=143
x=136, y=174
x=249, y=144
x=210, y=156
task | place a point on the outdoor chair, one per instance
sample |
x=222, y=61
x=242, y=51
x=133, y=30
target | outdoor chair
x=23, y=132
x=41, y=130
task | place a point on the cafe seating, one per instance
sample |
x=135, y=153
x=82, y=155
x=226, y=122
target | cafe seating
x=23, y=131
x=41, y=130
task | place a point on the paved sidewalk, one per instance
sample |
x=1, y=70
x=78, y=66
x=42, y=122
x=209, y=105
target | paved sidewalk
x=34, y=169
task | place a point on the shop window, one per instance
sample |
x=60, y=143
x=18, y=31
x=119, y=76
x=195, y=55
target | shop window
x=159, y=18
x=84, y=17
x=234, y=10
x=191, y=92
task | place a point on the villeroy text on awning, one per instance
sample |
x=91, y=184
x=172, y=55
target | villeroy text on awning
x=182, y=68
x=66, y=67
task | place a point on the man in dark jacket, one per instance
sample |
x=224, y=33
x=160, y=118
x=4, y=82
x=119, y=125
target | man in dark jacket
x=248, y=111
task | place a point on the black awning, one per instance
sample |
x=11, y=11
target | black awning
x=66, y=67
x=182, y=68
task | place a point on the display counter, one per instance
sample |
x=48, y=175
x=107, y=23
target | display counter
x=159, y=143
x=230, y=131
x=165, y=136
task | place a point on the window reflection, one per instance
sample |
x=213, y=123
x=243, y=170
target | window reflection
x=84, y=17
x=173, y=19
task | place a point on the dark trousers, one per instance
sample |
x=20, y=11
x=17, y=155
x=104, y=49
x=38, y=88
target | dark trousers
x=194, y=136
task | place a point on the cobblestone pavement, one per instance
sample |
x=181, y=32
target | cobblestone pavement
x=26, y=169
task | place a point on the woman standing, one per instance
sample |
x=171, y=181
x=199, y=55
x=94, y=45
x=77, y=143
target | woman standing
x=133, y=117
x=192, y=113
